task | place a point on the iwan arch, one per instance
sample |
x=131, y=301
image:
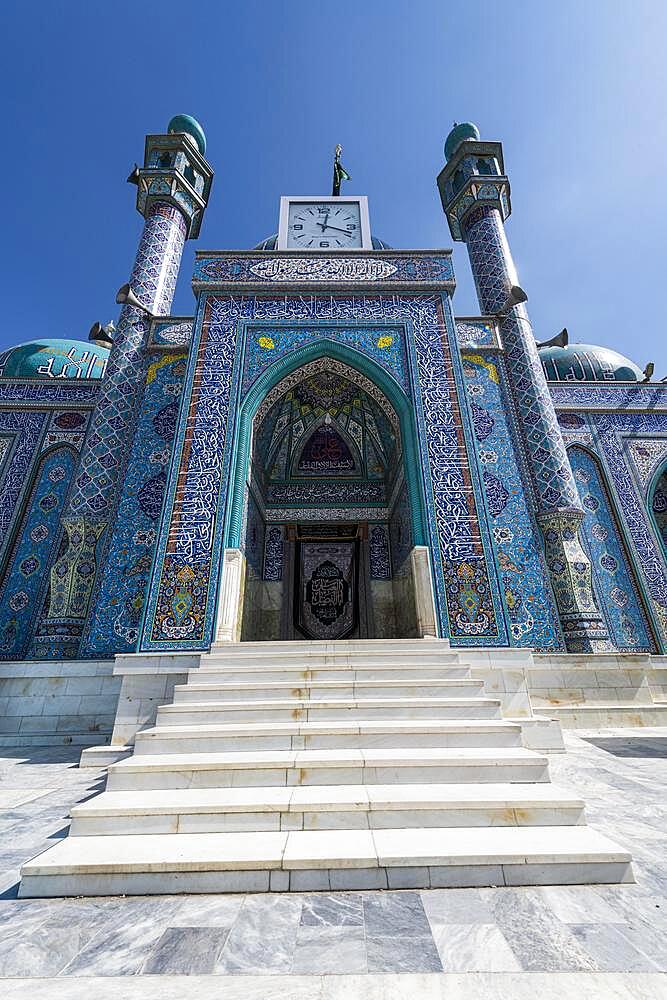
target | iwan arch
x=313, y=520
x=326, y=463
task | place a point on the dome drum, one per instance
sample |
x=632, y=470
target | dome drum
x=587, y=363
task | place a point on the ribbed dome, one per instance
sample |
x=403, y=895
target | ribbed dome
x=587, y=363
x=270, y=243
x=54, y=358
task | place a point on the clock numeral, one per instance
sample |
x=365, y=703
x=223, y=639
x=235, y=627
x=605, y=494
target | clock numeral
x=324, y=243
x=351, y=226
x=295, y=226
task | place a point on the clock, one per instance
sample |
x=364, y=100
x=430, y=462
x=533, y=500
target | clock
x=323, y=224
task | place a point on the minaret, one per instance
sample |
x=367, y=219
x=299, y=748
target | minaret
x=172, y=192
x=475, y=196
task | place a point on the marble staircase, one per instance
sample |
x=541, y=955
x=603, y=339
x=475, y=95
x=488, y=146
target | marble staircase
x=339, y=765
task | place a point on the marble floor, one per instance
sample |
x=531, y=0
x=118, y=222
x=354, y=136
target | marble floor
x=606, y=941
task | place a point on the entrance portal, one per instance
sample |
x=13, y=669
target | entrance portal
x=327, y=533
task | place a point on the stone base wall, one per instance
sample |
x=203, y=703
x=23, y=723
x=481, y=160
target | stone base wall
x=50, y=702
x=592, y=690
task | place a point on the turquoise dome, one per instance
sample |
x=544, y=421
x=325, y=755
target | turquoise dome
x=191, y=127
x=466, y=130
x=52, y=358
x=586, y=363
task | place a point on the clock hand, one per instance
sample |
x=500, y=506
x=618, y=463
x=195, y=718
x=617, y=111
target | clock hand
x=338, y=230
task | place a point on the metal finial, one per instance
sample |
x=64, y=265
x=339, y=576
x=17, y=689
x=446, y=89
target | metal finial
x=339, y=172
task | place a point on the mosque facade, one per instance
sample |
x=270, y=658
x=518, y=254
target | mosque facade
x=324, y=450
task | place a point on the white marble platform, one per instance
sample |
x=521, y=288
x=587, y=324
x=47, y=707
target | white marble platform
x=312, y=789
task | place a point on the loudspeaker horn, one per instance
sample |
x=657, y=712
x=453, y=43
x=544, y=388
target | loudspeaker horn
x=100, y=335
x=560, y=340
x=126, y=297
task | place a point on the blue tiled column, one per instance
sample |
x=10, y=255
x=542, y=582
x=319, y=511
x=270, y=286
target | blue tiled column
x=475, y=195
x=172, y=208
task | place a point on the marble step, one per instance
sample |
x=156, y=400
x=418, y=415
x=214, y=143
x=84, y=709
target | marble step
x=402, y=765
x=339, y=649
x=198, y=689
x=286, y=709
x=329, y=733
x=324, y=807
x=269, y=673
x=304, y=660
x=323, y=859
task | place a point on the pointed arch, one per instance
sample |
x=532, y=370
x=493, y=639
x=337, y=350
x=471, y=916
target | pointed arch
x=617, y=583
x=656, y=498
x=266, y=390
x=24, y=583
x=310, y=431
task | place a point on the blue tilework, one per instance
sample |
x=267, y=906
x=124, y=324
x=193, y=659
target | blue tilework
x=273, y=552
x=385, y=344
x=400, y=533
x=118, y=603
x=26, y=427
x=610, y=431
x=392, y=268
x=476, y=333
x=615, y=586
x=494, y=272
x=154, y=281
x=379, y=555
x=530, y=610
x=253, y=537
x=608, y=396
x=659, y=508
x=182, y=598
x=25, y=578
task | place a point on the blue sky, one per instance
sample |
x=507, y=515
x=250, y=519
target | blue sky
x=575, y=90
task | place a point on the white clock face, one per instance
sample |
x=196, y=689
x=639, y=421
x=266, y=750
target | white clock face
x=324, y=225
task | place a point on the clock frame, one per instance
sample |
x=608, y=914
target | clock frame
x=359, y=200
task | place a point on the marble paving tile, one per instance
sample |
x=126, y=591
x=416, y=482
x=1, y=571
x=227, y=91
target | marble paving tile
x=474, y=948
x=577, y=905
x=186, y=951
x=455, y=906
x=610, y=948
x=540, y=941
x=402, y=954
x=263, y=937
x=330, y=949
x=650, y=941
x=399, y=914
x=206, y=911
x=332, y=910
x=45, y=951
x=124, y=941
x=433, y=986
x=12, y=797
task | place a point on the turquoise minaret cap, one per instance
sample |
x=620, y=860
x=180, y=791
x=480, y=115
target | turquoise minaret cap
x=191, y=127
x=466, y=130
